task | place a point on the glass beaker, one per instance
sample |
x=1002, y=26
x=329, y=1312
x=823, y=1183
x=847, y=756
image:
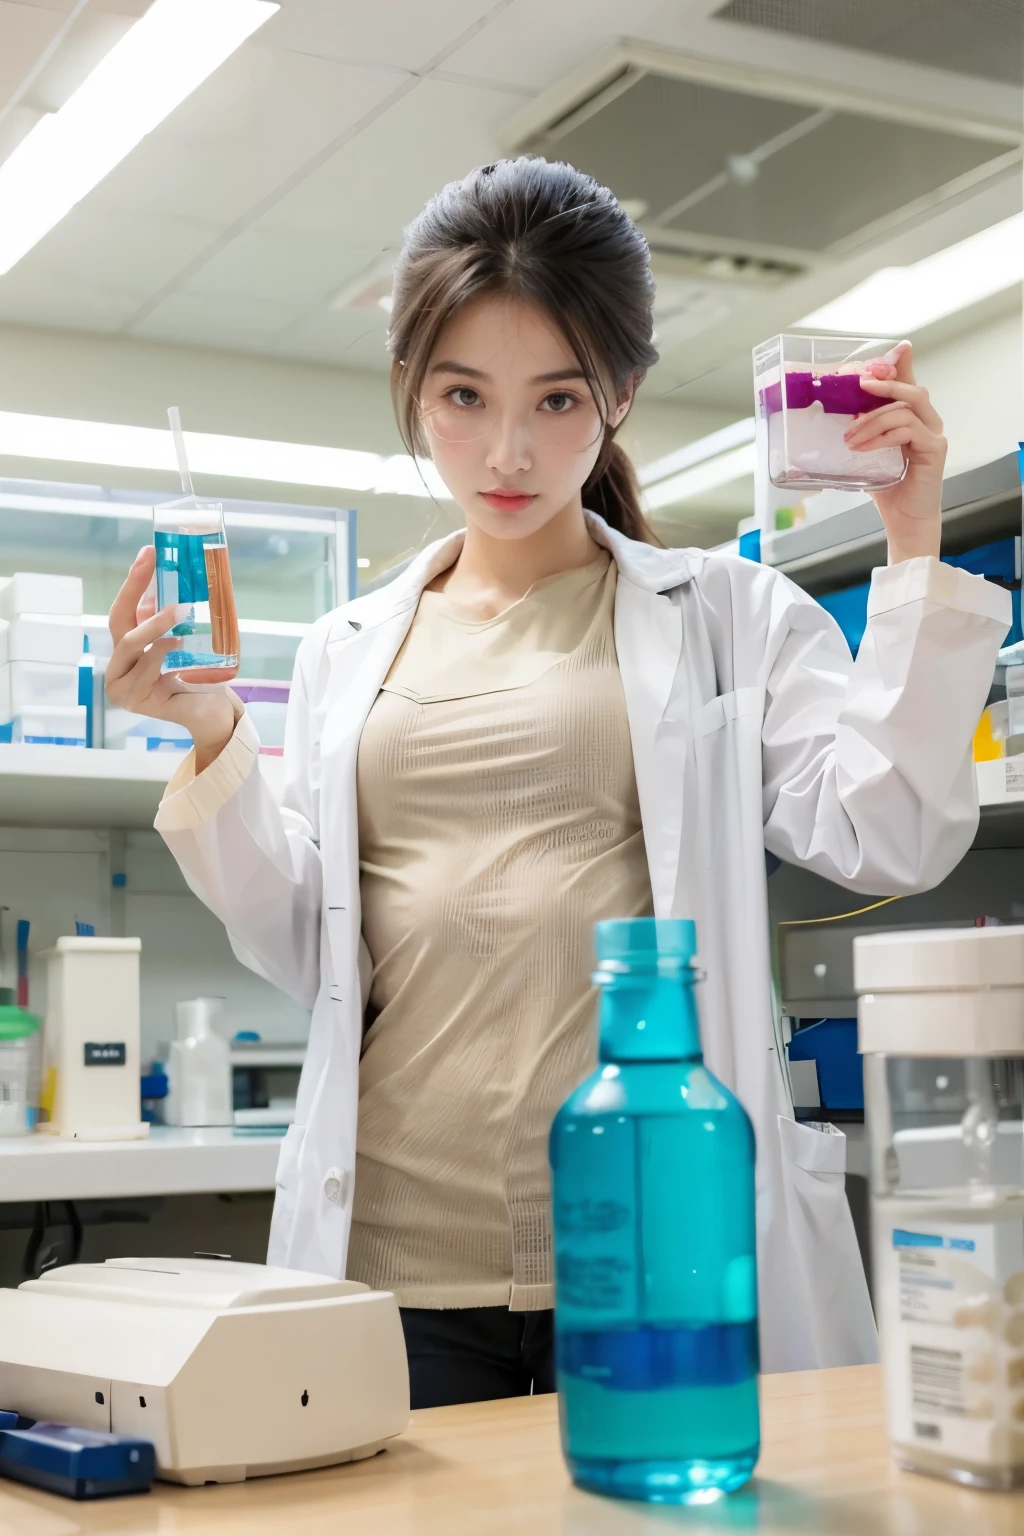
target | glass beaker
x=193, y=572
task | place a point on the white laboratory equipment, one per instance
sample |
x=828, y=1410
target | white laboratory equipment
x=199, y=1066
x=941, y=1016
x=91, y=1054
x=230, y=1370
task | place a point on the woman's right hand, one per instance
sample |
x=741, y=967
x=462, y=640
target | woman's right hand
x=134, y=680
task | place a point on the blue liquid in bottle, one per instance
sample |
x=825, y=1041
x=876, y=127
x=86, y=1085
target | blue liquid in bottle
x=193, y=571
x=652, y=1164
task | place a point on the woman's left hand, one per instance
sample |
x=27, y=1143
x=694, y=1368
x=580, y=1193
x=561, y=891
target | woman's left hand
x=912, y=510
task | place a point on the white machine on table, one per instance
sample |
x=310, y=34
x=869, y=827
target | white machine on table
x=230, y=1370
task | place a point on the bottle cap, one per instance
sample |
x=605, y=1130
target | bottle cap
x=16, y=1024
x=645, y=941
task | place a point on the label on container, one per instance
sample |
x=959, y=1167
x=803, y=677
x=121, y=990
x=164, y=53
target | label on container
x=107, y=1054
x=596, y=1272
x=1014, y=774
x=951, y=1310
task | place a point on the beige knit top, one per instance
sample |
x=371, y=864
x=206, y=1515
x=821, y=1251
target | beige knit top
x=498, y=820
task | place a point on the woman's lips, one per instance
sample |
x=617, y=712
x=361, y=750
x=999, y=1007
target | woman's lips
x=512, y=501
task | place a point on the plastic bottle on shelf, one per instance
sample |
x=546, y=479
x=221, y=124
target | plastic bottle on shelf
x=199, y=1067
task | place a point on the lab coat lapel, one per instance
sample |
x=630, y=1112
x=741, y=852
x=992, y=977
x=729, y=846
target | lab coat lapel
x=648, y=639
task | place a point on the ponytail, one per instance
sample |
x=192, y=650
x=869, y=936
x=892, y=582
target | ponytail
x=614, y=494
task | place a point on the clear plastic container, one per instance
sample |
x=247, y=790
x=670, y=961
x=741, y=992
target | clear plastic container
x=652, y=1164
x=807, y=395
x=19, y=1070
x=193, y=571
x=942, y=1032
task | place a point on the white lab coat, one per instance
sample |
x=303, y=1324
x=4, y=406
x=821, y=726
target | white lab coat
x=751, y=729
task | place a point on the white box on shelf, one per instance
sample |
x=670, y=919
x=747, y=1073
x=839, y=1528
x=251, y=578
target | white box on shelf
x=125, y=731
x=92, y=1074
x=50, y=726
x=39, y=592
x=38, y=638
x=42, y=685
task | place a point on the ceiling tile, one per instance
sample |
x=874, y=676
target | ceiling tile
x=393, y=32
x=123, y=260
x=377, y=182
x=535, y=42
x=244, y=325
x=251, y=127
x=24, y=31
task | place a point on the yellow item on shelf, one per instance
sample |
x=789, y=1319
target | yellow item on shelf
x=986, y=747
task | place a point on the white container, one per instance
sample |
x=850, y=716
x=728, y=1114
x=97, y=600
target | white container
x=19, y=1071
x=125, y=731
x=942, y=1034
x=37, y=592
x=42, y=685
x=51, y=726
x=199, y=1067
x=41, y=639
x=92, y=1073
x=6, y=712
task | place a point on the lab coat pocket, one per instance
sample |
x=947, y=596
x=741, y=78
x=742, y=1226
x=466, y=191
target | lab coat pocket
x=816, y=1152
x=286, y=1195
x=724, y=708
x=820, y=1228
x=287, y=1175
x=338, y=953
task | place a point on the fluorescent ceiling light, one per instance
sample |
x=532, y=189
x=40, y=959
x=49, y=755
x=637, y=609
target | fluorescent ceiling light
x=247, y=458
x=898, y=300
x=702, y=477
x=159, y=61
x=732, y=436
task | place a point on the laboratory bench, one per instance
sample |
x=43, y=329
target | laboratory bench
x=169, y=1161
x=486, y=1469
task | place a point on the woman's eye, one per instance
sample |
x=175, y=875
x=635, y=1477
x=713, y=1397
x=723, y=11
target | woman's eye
x=463, y=395
x=559, y=403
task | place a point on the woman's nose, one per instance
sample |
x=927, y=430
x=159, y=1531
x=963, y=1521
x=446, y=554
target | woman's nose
x=509, y=449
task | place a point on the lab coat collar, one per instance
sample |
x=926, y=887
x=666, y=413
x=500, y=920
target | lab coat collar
x=643, y=565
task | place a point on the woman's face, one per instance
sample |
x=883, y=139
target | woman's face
x=512, y=426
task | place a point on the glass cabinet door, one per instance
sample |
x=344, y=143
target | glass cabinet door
x=289, y=563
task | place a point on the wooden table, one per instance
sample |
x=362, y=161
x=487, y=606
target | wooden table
x=489, y=1469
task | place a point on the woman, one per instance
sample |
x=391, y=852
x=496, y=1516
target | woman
x=542, y=722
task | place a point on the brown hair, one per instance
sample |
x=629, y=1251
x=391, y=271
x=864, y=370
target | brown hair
x=545, y=233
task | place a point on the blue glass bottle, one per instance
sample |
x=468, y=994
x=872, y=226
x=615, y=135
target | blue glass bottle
x=652, y=1164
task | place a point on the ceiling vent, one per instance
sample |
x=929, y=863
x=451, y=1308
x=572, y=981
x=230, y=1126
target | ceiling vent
x=730, y=162
x=984, y=38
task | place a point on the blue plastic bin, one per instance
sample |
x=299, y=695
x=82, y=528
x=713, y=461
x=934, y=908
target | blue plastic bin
x=832, y=1043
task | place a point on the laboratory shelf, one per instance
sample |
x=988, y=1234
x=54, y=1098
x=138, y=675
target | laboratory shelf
x=977, y=506
x=268, y=1056
x=44, y=786
x=170, y=1161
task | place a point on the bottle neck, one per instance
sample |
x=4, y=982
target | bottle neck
x=645, y=1016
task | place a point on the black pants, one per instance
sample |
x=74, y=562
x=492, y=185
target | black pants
x=471, y=1354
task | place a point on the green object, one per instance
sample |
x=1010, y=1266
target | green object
x=16, y=1024
x=783, y=518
